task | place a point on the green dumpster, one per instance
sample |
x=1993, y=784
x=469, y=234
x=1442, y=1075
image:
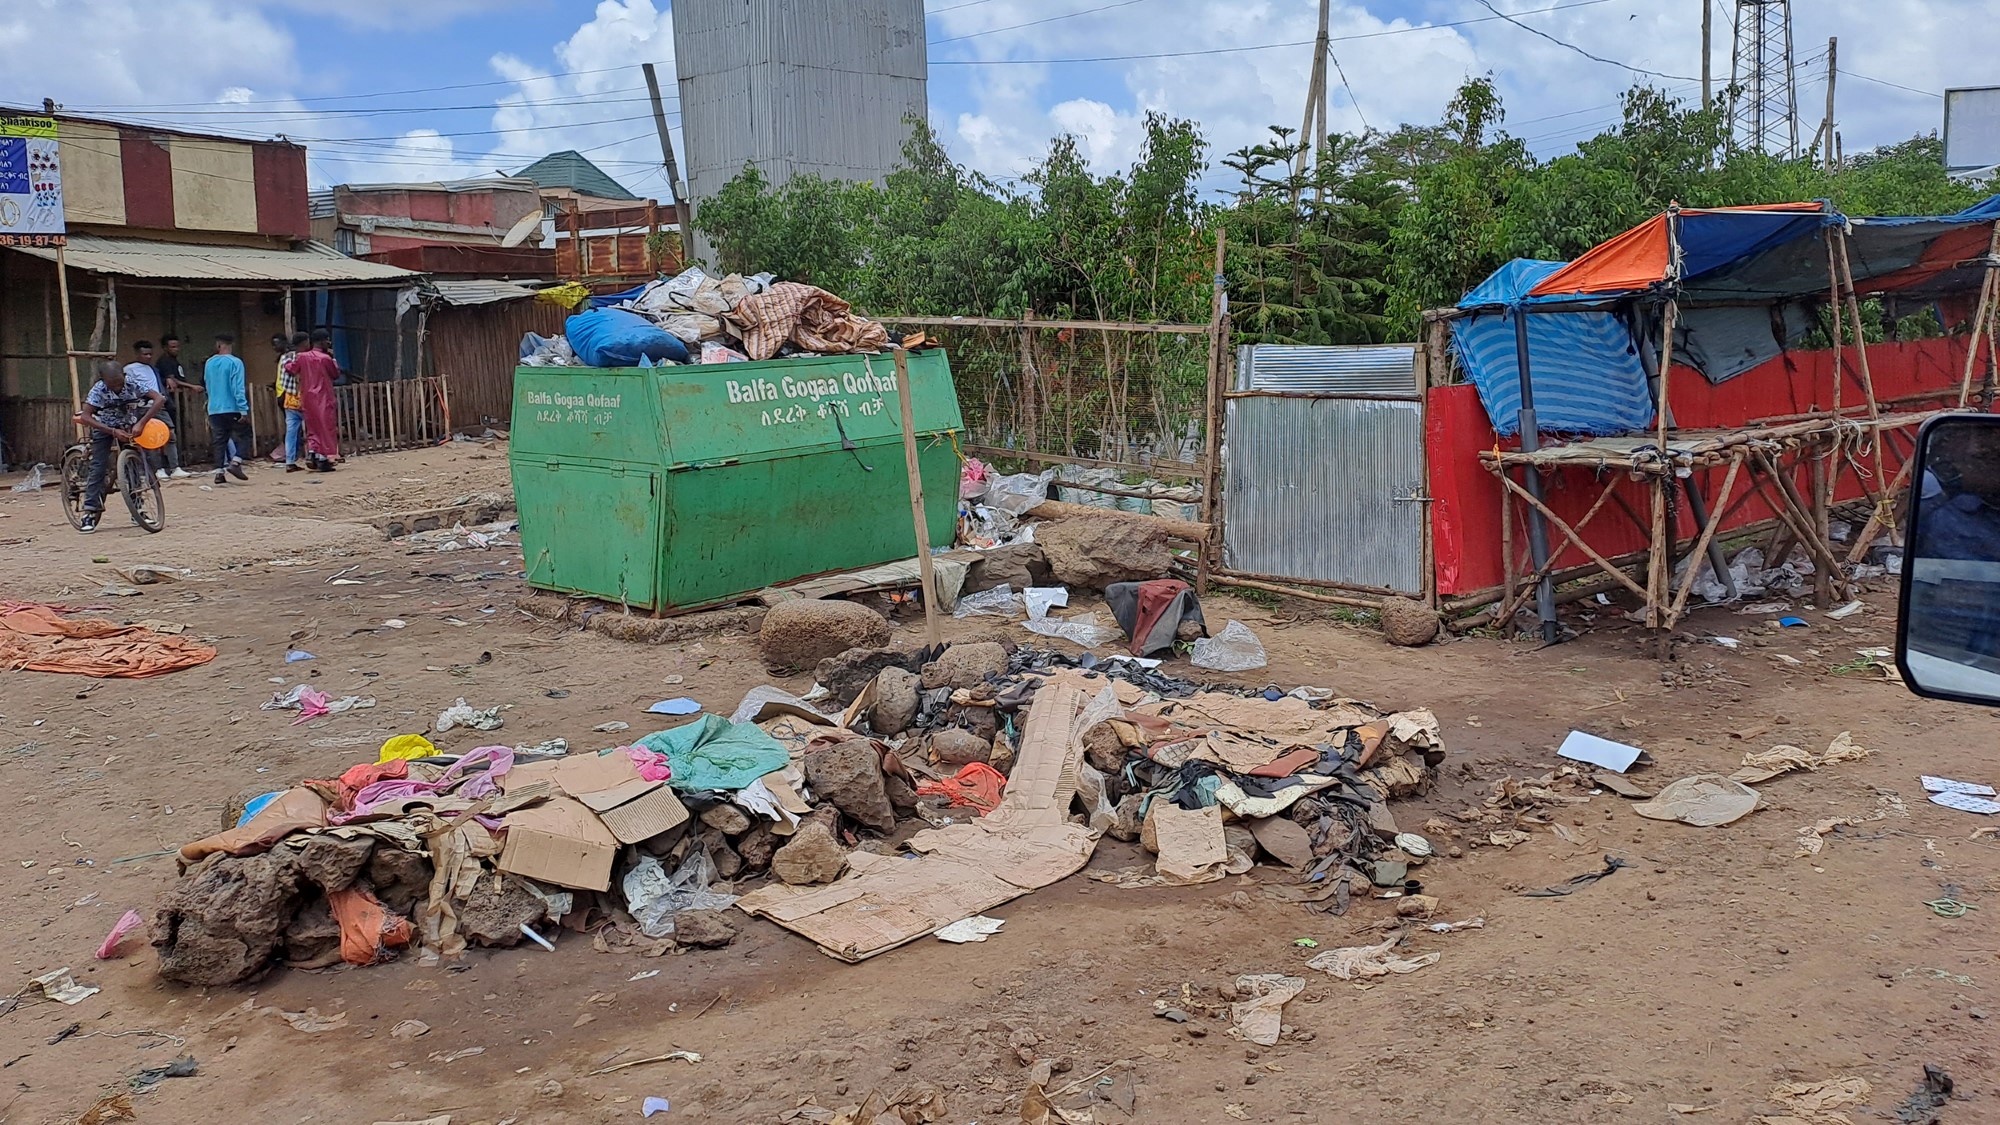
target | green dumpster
x=683, y=486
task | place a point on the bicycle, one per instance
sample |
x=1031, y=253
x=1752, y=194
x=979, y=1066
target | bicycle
x=131, y=474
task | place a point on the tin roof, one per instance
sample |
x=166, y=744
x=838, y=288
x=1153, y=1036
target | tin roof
x=308, y=262
x=482, y=291
x=571, y=169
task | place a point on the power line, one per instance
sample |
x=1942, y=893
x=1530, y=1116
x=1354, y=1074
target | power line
x=1579, y=50
x=1896, y=85
x=1034, y=23
x=359, y=113
x=379, y=93
x=1265, y=46
x=1351, y=99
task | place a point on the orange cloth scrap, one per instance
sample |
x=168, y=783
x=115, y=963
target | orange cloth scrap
x=37, y=638
x=976, y=787
x=367, y=928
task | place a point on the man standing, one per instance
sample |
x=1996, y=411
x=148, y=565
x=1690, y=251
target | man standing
x=116, y=409
x=228, y=407
x=143, y=374
x=316, y=371
x=287, y=387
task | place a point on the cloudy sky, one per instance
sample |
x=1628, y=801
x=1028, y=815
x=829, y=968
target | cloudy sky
x=400, y=90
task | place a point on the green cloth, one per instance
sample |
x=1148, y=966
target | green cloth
x=714, y=753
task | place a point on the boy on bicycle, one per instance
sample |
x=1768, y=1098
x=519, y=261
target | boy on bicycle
x=114, y=410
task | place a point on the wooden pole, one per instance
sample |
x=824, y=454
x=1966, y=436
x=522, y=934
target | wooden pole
x=1508, y=568
x=1979, y=320
x=1832, y=73
x=69, y=334
x=1701, y=545
x=1218, y=302
x=1867, y=385
x=1833, y=305
x=681, y=215
x=932, y=634
x=1707, y=31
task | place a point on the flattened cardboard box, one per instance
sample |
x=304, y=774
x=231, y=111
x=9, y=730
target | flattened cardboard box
x=559, y=841
x=633, y=808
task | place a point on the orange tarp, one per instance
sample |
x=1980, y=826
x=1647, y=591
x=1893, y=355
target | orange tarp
x=37, y=638
x=1635, y=259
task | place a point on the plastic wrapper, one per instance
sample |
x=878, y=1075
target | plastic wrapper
x=689, y=327
x=1084, y=629
x=654, y=898
x=32, y=482
x=547, y=351
x=1017, y=493
x=1000, y=601
x=1041, y=599
x=1235, y=649
x=714, y=351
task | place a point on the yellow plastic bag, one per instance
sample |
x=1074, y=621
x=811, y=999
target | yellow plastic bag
x=404, y=747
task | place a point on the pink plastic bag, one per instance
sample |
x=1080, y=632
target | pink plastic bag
x=312, y=704
x=131, y=921
x=651, y=764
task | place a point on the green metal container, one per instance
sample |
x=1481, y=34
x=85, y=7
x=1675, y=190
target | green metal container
x=683, y=486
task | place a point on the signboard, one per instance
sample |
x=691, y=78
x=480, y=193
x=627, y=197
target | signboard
x=1971, y=128
x=31, y=206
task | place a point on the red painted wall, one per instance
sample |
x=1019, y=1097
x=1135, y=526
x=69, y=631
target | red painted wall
x=148, y=167
x=280, y=169
x=1465, y=512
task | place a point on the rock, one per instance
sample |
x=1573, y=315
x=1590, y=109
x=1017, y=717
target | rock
x=402, y=880
x=1019, y=565
x=1408, y=623
x=1092, y=552
x=895, y=702
x=705, y=929
x=964, y=666
x=902, y=796
x=727, y=818
x=955, y=747
x=1103, y=748
x=312, y=941
x=981, y=721
x=800, y=633
x=494, y=911
x=812, y=856
x=224, y=922
x=1129, y=822
x=728, y=863
x=848, y=776
x=333, y=862
x=756, y=846
x=846, y=674
x=1382, y=820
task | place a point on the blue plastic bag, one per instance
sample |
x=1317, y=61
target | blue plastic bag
x=620, y=338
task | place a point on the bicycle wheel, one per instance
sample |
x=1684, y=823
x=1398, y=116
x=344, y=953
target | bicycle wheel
x=142, y=491
x=75, y=483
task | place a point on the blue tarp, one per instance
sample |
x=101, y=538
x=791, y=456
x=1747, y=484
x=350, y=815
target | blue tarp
x=1587, y=375
x=1712, y=240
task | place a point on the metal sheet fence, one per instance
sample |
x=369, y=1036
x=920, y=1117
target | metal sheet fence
x=1122, y=396
x=1326, y=490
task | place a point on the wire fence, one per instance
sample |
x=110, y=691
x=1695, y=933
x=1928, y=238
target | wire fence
x=1134, y=398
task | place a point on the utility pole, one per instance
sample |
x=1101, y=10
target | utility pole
x=682, y=218
x=1832, y=73
x=1707, y=34
x=1309, y=138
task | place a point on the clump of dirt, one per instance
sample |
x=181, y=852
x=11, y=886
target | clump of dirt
x=224, y=923
x=1408, y=623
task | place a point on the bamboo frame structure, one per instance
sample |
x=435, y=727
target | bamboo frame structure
x=1757, y=461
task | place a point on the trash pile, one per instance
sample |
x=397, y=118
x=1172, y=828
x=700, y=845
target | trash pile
x=695, y=318
x=949, y=781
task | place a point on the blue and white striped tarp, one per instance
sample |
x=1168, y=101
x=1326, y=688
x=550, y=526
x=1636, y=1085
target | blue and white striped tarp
x=1586, y=370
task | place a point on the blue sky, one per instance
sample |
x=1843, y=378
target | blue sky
x=362, y=82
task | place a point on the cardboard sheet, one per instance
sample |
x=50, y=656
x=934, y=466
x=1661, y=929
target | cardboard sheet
x=1192, y=849
x=962, y=869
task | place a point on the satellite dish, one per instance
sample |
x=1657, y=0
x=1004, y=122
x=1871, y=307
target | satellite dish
x=529, y=224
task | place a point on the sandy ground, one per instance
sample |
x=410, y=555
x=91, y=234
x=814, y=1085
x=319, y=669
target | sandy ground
x=1715, y=967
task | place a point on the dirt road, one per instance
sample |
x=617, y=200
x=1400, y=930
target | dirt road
x=1714, y=967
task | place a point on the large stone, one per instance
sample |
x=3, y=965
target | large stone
x=846, y=674
x=494, y=911
x=402, y=880
x=1092, y=552
x=956, y=747
x=895, y=702
x=312, y=941
x=902, y=796
x=756, y=846
x=801, y=633
x=1408, y=623
x=812, y=856
x=726, y=818
x=848, y=776
x=1129, y=822
x=704, y=929
x=982, y=721
x=333, y=862
x=1103, y=748
x=1019, y=565
x=964, y=666
x=728, y=863
x=224, y=923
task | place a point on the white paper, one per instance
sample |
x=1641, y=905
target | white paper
x=1844, y=612
x=1614, y=756
x=1966, y=802
x=1947, y=785
x=1041, y=599
x=976, y=928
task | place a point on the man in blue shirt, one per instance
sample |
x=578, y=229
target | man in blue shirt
x=228, y=408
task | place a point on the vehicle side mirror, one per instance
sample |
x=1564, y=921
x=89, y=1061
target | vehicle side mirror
x=1948, y=624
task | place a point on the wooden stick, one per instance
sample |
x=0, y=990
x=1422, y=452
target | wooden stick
x=1656, y=562
x=1572, y=536
x=69, y=334
x=1212, y=427
x=1833, y=306
x=1861, y=351
x=1174, y=529
x=1701, y=542
x=1875, y=518
x=1801, y=521
x=1222, y=578
x=1666, y=364
x=1507, y=564
x=1546, y=567
x=1979, y=319
x=932, y=632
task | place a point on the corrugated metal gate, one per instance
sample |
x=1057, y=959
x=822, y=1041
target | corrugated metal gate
x=1323, y=456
